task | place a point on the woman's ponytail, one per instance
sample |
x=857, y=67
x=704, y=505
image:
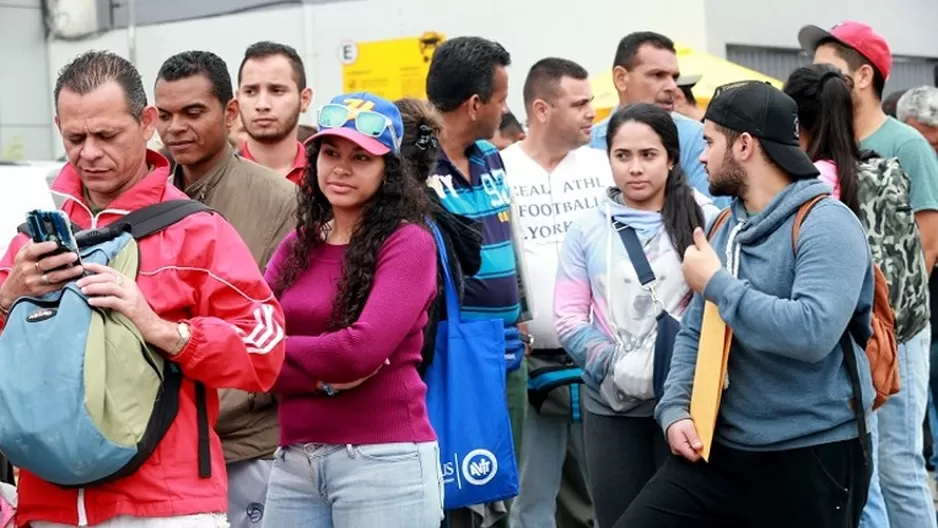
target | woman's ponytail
x=825, y=112
x=835, y=135
x=420, y=145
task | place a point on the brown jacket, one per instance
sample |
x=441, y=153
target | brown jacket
x=261, y=205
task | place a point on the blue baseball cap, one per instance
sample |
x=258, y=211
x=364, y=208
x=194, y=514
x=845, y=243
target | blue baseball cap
x=371, y=122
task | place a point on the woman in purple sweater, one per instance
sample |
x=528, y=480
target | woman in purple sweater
x=355, y=280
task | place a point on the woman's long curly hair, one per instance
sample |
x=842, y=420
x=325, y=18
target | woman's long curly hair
x=399, y=200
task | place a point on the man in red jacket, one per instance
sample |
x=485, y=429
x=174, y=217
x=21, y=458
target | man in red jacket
x=198, y=295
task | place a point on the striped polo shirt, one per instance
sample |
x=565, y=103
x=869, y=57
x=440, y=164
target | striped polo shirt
x=493, y=292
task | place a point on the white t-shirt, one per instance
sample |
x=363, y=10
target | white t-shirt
x=544, y=206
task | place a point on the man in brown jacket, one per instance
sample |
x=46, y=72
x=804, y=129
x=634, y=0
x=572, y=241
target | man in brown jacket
x=195, y=101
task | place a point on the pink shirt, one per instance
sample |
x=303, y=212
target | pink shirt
x=390, y=406
x=829, y=175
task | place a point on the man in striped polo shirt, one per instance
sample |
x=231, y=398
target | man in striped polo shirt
x=468, y=84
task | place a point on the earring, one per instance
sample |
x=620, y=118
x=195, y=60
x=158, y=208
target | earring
x=670, y=167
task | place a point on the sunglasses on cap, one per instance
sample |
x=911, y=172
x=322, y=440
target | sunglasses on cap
x=367, y=122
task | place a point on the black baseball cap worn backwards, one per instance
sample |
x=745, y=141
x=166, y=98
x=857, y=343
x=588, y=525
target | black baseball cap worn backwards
x=768, y=114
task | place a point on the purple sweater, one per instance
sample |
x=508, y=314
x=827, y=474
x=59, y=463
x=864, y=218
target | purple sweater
x=389, y=407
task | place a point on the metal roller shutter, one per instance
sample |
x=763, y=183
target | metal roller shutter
x=907, y=72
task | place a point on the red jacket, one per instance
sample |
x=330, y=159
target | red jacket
x=297, y=173
x=198, y=271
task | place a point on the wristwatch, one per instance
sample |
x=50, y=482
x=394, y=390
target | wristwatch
x=528, y=339
x=185, y=333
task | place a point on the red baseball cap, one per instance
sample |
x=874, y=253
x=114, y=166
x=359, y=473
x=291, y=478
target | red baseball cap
x=856, y=35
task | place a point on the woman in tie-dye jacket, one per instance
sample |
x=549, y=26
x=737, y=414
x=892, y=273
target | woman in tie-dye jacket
x=605, y=318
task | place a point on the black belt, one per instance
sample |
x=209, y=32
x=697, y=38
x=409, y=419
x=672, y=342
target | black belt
x=548, y=352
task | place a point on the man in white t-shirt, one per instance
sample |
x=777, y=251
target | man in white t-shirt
x=555, y=177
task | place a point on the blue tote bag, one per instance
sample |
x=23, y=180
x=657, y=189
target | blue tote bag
x=467, y=407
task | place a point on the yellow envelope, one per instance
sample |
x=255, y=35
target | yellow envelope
x=713, y=353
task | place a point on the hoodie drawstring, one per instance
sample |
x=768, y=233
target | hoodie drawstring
x=732, y=265
x=732, y=250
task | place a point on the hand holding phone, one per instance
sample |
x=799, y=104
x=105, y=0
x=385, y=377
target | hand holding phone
x=53, y=226
x=45, y=265
x=35, y=273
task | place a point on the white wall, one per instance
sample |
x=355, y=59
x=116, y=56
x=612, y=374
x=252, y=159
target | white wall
x=908, y=25
x=25, y=118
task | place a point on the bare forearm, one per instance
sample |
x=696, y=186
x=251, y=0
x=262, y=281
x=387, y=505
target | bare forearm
x=162, y=334
x=928, y=229
x=931, y=257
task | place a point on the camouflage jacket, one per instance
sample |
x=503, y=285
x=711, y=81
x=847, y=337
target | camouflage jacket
x=895, y=242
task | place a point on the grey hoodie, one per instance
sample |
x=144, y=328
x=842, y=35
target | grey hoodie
x=788, y=383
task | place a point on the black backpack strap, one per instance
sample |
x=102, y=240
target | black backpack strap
x=205, y=448
x=853, y=372
x=142, y=222
x=155, y=218
x=7, y=475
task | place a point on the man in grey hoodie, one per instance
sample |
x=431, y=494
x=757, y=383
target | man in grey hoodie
x=787, y=448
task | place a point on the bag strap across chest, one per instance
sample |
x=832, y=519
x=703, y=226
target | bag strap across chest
x=140, y=223
x=143, y=222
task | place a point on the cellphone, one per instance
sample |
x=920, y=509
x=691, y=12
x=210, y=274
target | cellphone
x=52, y=226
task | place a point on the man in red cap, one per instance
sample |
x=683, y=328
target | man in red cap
x=864, y=56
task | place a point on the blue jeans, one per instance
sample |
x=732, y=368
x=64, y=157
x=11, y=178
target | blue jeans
x=901, y=466
x=355, y=486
